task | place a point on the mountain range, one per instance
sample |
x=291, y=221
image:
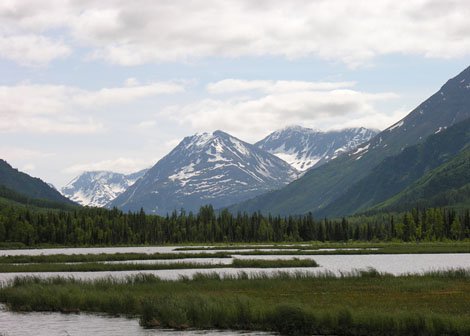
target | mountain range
x=422, y=160
x=305, y=148
x=98, y=188
x=319, y=189
x=210, y=168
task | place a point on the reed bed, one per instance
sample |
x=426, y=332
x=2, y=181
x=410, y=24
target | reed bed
x=69, y=258
x=102, y=267
x=354, y=303
x=342, y=248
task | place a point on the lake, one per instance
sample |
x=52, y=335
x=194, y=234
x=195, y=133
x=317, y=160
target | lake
x=57, y=324
x=39, y=324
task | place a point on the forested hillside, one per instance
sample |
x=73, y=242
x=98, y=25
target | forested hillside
x=397, y=172
x=447, y=185
x=95, y=226
x=31, y=187
x=319, y=187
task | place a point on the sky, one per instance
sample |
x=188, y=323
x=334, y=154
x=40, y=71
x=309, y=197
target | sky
x=116, y=84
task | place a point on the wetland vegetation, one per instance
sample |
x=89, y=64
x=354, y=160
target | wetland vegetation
x=116, y=267
x=358, y=303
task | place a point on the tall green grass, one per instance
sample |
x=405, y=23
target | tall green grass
x=312, y=248
x=63, y=258
x=102, y=267
x=357, y=303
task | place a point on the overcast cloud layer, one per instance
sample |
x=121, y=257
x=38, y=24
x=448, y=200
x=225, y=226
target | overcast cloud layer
x=114, y=85
x=136, y=32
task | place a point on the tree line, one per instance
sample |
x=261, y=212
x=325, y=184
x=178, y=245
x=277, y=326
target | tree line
x=95, y=226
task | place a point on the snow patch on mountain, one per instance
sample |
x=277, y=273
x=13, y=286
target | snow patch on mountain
x=305, y=148
x=98, y=188
x=214, y=168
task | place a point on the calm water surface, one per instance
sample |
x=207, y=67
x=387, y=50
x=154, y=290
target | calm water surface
x=151, y=249
x=391, y=263
x=56, y=324
x=42, y=324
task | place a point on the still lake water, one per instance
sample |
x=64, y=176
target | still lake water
x=56, y=324
x=29, y=324
x=131, y=249
x=390, y=263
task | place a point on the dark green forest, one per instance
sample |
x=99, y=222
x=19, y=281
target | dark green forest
x=94, y=226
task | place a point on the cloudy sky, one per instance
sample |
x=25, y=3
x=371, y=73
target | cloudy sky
x=116, y=84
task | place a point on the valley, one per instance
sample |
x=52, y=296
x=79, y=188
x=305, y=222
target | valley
x=216, y=208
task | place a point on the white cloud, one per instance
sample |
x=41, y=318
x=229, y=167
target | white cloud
x=123, y=165
x=147, y=124
x=126, y=94
x=270, y=86
x=29, y=167
x=354, y=32
x=32, y=49
x=15, y=153
x=249, y=117
x=131, y=82
x=62, y=109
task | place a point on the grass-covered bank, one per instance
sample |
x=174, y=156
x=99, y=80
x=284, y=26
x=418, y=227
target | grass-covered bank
x=364, y=303
x=224, y=251
x=343, y=248
x=69, y=258
x=102, y=267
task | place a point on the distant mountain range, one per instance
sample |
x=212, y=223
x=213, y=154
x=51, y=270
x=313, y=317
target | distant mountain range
x=324, y=190
x=31, y=187
x=302, y=148
x=210, y=168
x=305, y=148
x=98, y=188
x=421, y=159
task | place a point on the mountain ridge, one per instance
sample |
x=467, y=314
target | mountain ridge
x=209, y=168
x=27, y=185
x=321, y=186
x=306, y=148
x=396, y=173
x=98, y=188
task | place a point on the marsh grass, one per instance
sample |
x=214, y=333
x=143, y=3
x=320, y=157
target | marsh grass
x=69, y=258
x=356, y=303
x=342, y=248
x=102, y=267
x=274, y=263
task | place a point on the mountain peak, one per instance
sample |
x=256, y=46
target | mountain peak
x=305, y=148
x=98, y=188
x=321, y=187
x=298, y=128
x=214, y=168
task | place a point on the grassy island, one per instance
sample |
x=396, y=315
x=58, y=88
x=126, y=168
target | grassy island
x=359, y=303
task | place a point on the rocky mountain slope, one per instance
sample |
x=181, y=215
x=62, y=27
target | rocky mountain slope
x=396, y=173
x=216, y=169
x=320, y=187
x=98, y=188
x=305, y=148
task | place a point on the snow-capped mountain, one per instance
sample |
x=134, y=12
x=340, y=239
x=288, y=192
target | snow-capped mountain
x=304, y=148
x=319, y=190
x=98, y=188
x=216, y=169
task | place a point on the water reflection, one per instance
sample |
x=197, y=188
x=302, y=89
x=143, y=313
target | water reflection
x=164, y=249
x=390, y=263
x=56, y=324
